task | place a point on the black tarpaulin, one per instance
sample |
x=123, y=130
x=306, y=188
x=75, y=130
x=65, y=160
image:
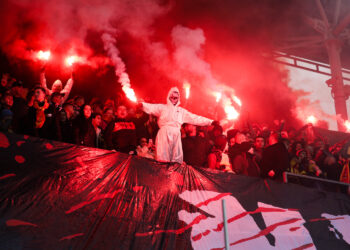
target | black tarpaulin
x=61, y=196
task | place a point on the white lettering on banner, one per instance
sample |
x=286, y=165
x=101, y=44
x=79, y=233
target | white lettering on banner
x=341, y=223
x=289, y=235
x=208, y=233
x=286, y=226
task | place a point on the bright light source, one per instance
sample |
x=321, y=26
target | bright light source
x=44, y=55
x=187, y=87
x=218, y=96
x=231, y=112
x=237, y=100
x=70, y=60
x=311, y=119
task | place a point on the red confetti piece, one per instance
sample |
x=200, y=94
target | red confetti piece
x=26, y=137
x=4, y=142
x=6, y=176
x=15, y=223
x=71, y=236
x=48, y=146
x=20, y=159
x=19, y=143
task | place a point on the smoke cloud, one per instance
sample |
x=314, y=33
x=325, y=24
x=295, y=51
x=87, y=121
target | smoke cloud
x=150, y=45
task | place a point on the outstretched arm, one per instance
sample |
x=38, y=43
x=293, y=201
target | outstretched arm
x=152, y=109
x=196, y=119
x=43, y=82
x=67, y=88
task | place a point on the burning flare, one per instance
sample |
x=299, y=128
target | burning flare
x=44, y=55
x=311, y=119
x=120, y=69
x=218, y=96
x=187, y=87
x=237, y=100
x=347, y=125
x=70, y=60
x=231, y=112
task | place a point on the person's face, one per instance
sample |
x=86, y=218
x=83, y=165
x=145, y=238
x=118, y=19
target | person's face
x=87, y=111
x=4, y=80
x=284, y=134
x=240, y=138
x=97, y=121
x=174, y=97
x=122, y=112
x=80, y=102
x=259, y=143
x=143, y=142
x=189, y=128
x=8, y=100
x=108, y=115
x=39, y=95
x=70, y=111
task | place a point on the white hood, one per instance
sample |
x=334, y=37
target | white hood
x=173, y=89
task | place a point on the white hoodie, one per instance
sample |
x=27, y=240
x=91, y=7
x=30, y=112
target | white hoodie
x=170, y=119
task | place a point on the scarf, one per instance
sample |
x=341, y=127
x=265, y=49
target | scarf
x=40, y=113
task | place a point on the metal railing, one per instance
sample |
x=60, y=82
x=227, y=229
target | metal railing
x=316, y=182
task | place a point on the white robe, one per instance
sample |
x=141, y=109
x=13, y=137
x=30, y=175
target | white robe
x=170, y=119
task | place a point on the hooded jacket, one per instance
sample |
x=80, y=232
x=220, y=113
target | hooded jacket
x=170, y=119
x=174, y=115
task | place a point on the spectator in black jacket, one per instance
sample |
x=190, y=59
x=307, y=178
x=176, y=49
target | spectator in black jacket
x=195, y=148
x=64, y=123
x=20, y=107
x=120, y=134
x=275, y=159
x=6, y=113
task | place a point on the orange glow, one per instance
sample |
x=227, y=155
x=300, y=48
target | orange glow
x=44, y=55
x=311, y=119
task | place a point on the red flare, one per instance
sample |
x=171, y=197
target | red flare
x=70, y=60
x=44, y=55
x=231, y=112
x=347, y=126
x=237, y=100
x=130, y=94
x=311, y=119
x=218, y=96
x=187, y=88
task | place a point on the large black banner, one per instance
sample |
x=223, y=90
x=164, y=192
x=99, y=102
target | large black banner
x=61, y=196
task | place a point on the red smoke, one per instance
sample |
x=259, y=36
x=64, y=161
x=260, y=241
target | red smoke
x=215, y=46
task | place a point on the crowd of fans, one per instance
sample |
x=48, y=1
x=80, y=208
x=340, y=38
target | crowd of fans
x=252, y=150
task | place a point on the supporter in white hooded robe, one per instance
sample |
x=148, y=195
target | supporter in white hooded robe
x=170, y=118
